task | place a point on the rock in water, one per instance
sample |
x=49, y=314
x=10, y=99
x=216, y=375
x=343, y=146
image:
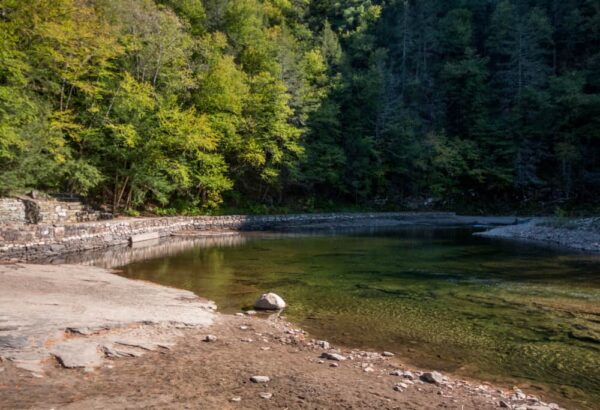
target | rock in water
x=270, y=301
x=432, y=377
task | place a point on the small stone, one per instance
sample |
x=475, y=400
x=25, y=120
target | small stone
x=260, y=379
x=398, y=388
x=247, y=340
x=409, y=375
x=270, y=301
x=403, y=385
x=266, y=395
x=538, y=407
x=210, y=338
x=251, y=312
x=432, y=377
x=236, y=399
x=504, y=404
x=321, y=361
x=519, y=395
x=322, y=343
x=334, y=365
x=243, y=327
x=397, y=373
x=387, y=354
x=332, y=356
x=240, y=314
x=368, y=370
x=265, y=348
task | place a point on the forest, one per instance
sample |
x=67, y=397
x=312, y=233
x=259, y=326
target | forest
x=198, y=106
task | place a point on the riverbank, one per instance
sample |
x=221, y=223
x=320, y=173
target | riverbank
x=576, y=234
x=47, y=306
x=22, y=242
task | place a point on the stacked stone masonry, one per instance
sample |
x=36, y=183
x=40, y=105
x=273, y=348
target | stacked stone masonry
x=47, y=211
x=24, y=241
x=12, y=211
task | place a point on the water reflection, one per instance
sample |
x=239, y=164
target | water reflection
x=124, y=255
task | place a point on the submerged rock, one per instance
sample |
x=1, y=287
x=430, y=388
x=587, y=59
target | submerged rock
x=270, y=301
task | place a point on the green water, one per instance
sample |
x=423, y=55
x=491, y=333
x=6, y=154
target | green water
x=442, y=299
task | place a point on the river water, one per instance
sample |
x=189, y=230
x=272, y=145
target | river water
x=440, y=298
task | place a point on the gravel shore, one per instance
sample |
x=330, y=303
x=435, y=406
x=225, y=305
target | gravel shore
x=575, y=234
x=165, y=348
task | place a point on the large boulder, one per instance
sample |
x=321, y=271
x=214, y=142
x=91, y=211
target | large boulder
x=270, y=301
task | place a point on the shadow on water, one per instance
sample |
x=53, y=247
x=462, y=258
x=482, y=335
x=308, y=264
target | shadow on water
x=440, y=298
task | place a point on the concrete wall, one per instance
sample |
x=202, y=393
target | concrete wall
x=19, y=241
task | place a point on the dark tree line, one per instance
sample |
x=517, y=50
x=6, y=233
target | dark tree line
x=462, y=101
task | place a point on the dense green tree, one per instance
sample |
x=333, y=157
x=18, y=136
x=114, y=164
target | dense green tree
x=184, y=105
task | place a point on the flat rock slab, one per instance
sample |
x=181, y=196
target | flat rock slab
x=81, y=314
x=78, y=354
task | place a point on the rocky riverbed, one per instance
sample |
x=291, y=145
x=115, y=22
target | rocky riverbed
x=577, y=234
x=158, y=347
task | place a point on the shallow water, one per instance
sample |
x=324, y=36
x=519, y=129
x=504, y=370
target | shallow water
x=440, y=298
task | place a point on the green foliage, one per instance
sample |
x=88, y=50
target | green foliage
x=191, y=105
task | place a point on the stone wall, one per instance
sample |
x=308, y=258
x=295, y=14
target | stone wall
x=18, y=241
x=11, y=211
x=27, y=210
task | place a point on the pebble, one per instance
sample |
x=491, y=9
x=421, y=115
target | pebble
x=432, y=377
x=368, y=370
x=260, y=379
x=247, y=340
x=387, y=354
x=334, y=365
x=519, y=395
x=504, y=404
x=266, y=395
x=251, y=312
x=322, y=343
x=240, y=314
x=210, y=338
x=398, y=388
x=243, y=327
x=403, y=385
x=236, y=399
x=409, y=375
x=265, y=348
x=332, y=356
